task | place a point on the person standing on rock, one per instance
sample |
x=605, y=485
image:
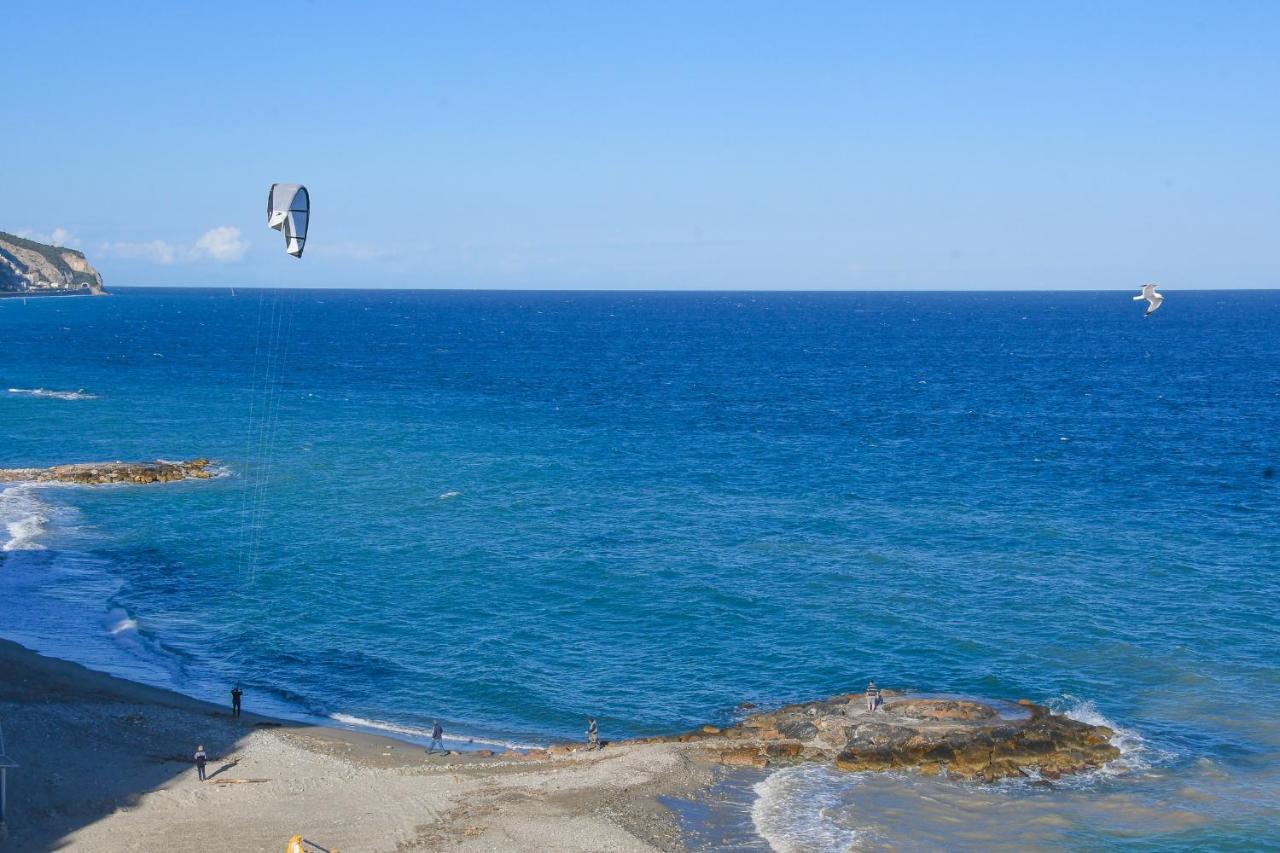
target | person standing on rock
x=236, y=694
x=200, y=758
x=437, y=737
x=873, y=696
x=593, y=733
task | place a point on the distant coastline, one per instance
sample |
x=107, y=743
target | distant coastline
x=43, y=294
x=31, y=268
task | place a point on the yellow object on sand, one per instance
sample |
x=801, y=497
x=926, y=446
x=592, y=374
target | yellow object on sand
x=298, y=844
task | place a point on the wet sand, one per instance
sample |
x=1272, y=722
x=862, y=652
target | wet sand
x=105, y=766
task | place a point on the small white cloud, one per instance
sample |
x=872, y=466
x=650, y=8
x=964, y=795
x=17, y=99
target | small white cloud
x=222, y=244
x=157, y=251
x=58, y=237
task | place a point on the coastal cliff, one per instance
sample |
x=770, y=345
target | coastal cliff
x=28, y=268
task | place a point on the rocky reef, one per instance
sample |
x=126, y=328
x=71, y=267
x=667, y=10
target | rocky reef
x=104, y=473
x=28, y=268
x=957, y=738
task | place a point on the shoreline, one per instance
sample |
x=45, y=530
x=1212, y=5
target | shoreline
x=103, y=764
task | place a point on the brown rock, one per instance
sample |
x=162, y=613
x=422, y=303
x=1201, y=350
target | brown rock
x=744, y=757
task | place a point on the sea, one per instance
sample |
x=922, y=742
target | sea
x=511, y=510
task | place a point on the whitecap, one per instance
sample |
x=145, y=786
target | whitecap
x=449, y=496
x=55, y=395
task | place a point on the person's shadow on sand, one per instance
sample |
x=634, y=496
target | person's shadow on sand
x=226, y=766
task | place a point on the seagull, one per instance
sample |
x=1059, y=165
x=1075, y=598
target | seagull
x=1155, y=299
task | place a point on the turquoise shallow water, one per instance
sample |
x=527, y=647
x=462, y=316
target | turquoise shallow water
x=510, y=510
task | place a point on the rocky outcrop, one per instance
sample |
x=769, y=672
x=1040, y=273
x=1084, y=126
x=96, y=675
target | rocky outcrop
x=958, y=738
x=28, y=268
x=104, y=473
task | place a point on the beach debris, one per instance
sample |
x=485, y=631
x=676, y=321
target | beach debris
x=289, y=212
x=298, y=844
x=1154, y=299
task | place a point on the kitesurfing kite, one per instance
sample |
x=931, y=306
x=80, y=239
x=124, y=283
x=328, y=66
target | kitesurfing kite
x=288, y=209
x=1154, y=300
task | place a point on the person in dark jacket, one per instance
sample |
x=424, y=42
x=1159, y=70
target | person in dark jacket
x=437, y=737
x=200, y=760
x=236, y=693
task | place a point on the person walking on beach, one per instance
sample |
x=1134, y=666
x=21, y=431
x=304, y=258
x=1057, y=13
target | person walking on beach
x=200, y=759
x=236, y=693
x=437, y=737
x=593, y=733
x=873, y=696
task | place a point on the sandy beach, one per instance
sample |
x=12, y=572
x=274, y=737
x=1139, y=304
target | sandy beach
x=105, y=766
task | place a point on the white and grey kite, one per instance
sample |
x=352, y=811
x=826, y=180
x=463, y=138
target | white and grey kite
x=288, y=211
x=1154, y=300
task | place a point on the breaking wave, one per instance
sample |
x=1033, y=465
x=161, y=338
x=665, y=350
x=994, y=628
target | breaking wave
x=795, y=807
x=56, y=395
x=24, y=518
x=1137, y=755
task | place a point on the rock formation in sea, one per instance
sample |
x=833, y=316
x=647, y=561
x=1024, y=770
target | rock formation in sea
x=104, y=473
x=28, y=268
x=957, y=738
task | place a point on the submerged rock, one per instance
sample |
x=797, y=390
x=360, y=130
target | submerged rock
x=104, y=473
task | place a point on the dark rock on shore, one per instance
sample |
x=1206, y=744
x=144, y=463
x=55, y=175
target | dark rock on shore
x=104, y=473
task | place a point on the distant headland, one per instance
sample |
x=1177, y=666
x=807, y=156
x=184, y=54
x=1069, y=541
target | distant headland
x=28, y=268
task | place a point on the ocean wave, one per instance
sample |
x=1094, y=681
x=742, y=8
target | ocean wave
x=24, y=518
x=423, y=735
x=449, y=495
x=1137, y=755
x=55, y=395
x=118, y=621
x=793, y=809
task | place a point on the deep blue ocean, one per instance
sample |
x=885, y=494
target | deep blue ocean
x=512, y=510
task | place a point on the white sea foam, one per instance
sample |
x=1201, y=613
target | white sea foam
x=449, y=495
x=24, y=518
x=794, y=809
x=56, y=395
x=423, y=734
x=1136, y=754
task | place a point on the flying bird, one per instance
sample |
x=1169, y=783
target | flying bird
x=1154, y=300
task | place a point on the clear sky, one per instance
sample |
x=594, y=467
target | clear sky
x=693, y=145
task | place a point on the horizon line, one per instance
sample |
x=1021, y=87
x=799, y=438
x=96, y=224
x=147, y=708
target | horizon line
x=256, y=287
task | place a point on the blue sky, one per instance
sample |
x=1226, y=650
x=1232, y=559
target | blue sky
x=651, y=145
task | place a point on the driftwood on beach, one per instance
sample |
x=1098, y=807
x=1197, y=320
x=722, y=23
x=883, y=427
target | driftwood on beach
x=104, y=473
